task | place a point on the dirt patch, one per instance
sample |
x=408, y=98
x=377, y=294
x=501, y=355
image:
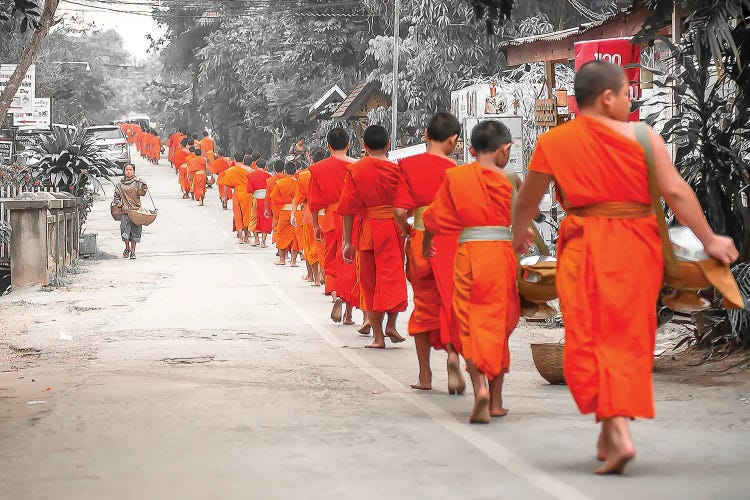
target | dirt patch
x=691, y=367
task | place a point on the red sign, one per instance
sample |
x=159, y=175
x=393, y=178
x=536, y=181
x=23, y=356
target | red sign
x=618, y=51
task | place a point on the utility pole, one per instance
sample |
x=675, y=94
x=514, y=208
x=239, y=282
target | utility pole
x=394, y=94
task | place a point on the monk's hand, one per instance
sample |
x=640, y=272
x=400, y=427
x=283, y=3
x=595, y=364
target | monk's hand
x=267, y=214
x=522, y=241
x=293, y=221
x=722, y=249
x=318, y=232
x=428, y=252
x=347, y=252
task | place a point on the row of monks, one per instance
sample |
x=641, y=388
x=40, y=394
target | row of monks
x=456, y=233
x=147, y=141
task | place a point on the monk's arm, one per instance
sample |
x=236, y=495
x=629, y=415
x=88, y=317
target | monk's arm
x=347, y=249
x=401, y=215
x=526, y=206
x=428, y=251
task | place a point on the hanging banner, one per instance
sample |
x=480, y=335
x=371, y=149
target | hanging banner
x=40, y=117
x=24, y=99
x=617, y=51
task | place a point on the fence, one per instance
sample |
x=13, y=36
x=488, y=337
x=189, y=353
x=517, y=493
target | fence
x=8, y=193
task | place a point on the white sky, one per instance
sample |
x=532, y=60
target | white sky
x=133, y=28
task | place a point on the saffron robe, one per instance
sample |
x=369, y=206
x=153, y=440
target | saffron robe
x=236, y=178
x=486, y=305
x=326, y=184
x=256, y=185
x=184, y=178
x=431, y=280
x=609, y=270
x=155, y=148
x=180, y=157
x=270, y=185
x=281, y=199
x=312, y=248
x=172, y=144
x=196, y=169
x=219, y=166
x=369, y=190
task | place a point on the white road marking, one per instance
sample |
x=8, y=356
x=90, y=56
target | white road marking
x=498, y=453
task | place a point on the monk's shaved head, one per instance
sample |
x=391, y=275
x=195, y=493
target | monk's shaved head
x=443, y=126
x=338, y=139
x=375, y=137
x=290, y=168
x=596, y=77
x=239, y=156
x=489, y=136
x=278, y=166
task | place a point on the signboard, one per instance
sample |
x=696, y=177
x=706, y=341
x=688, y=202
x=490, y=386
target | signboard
x=619, y=51
x=545, y=112
x=24, y=99
x=476, y=101
x=516, y=161
x=6, y=149
x=40, y=117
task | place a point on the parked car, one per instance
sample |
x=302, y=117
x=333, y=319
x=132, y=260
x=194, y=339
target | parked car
x=112, y=137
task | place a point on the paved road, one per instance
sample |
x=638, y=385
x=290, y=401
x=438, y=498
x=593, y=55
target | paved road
x=203, y=371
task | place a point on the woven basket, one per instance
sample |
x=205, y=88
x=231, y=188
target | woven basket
x=548, y=359
x=142, y=216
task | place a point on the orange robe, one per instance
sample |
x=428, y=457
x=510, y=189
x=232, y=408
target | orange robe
x=369, y=191
x=171, y=145
x=270, y=185
x=196, y=169
x=431, y=280
x=281, y=200
x=236, y=178
x=184, y=177
x=486, y=304
x=155, y=148
x=609, y=271
x=218, y=167
x=326, y=184
x=257, y=183
x=207, y=146
x=180, y=157
x=313, y=249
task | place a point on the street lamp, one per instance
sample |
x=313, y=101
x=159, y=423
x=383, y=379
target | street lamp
x=394, y=94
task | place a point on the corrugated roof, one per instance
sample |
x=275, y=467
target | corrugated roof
x=555, y=36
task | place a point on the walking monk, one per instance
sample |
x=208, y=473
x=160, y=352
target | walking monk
x=326, y=183
x=256, y=184
x=302, y=221
x=610, y=263
x=220, y=165
x=197, y=175
x=369, y=191
x=235, y=177
x=431, y=323
x=180, y=155
x=281, y=202
x=184, y=178
x=277, y=175
x=475, y=201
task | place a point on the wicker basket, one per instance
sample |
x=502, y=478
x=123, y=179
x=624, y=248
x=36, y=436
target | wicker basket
x=548, y=359
x=142, y=216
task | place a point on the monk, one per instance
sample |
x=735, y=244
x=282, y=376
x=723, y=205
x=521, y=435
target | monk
x=257, y=185
x=253, y=225
x=326, y=184
x=155, y=149
x=610, y=264
x=431, y=323
x=302, y=221
x=475, y=200
x=369, y=191
x=235, y=177
x=278, y=174
x=281, y=202
x=220, y=165
x=196, y=169
x=208, y=147
x=184, y=178
x=180, y=155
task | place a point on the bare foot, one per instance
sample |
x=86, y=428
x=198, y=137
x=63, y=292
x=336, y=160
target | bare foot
x=481, y=413
x=337, y=311
x=279, y=263
x=498, y=412
x=348, y=322
x=421, y=387
x=620, y=451
x=456, y=382
x=264, y=246
x=293, y=264
x=375, y=345
x=366, y=329
x=395, y=337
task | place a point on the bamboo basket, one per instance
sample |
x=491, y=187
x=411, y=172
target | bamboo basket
x=142, y=216
x=548, y=359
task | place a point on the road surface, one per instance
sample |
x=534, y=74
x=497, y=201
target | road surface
x=201, y=370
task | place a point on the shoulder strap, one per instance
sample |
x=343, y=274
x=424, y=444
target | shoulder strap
x=538, y=240
x=642, y=136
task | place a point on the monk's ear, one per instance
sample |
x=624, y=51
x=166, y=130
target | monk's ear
x=473, y=151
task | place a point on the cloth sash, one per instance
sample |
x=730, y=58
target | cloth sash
x=259, y=194
x=322, y=211
x=288, y=206
x=485, y=233
x=383, y=212
x=419, y=218
x=200, y=172
x=613, y=210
